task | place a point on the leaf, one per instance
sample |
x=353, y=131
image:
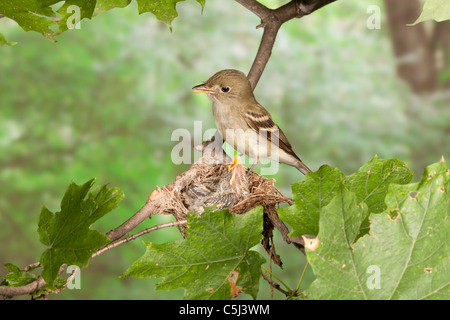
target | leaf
x=370, y=184
x=405, y=256
x=70, y=10
x=310, y=195
x=31, y=15
x=213, y=262
x=67, y=233
x=438, y=10
x=40, y=15
x=105, y=5
x=164, y=10
x=17, y=277
x=3, y=41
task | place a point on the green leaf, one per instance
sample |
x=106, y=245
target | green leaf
x=67, y=233
x=370, y=184
x=40, y=15
x=164, y=10
x=17, y=277
x=70, y=10
x=438, y=10
x=405, y=256
x=3, y=41
x=216, y=251
x=31, y=15
x=105, y=5
x=310, y=195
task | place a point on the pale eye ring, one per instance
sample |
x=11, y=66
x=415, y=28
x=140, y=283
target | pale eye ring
x=225, y=89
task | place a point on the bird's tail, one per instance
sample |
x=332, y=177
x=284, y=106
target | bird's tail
x=303, y=168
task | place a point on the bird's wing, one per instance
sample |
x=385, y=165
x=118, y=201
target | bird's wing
x=259, y=119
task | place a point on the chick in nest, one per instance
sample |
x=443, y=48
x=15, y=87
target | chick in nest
x=224, y=190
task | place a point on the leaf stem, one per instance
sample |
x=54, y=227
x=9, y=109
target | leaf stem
x=301, y=277
x=273, y=275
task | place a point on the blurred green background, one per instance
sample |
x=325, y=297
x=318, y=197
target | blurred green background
x=104, y=100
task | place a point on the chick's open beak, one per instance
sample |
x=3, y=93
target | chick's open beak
x=202, y=88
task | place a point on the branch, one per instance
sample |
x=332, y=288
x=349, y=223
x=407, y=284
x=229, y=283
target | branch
x=141, y=233
x=135, y=220
x=40, y=283
x=271, y=21
x=157, y=202
x=26, y=289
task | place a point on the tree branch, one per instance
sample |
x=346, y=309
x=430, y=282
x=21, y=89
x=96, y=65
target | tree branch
x=40, y=283
x=271, y=21
x=141, y=233
x=135, y=220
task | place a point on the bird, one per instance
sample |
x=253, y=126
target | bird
x=244, y=123
x=223, y=190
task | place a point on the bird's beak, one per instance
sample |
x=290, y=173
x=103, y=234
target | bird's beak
x=202, y=88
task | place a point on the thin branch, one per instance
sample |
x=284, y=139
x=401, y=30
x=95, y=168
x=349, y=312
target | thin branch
x=135, y=220
x=271, y=21
x=26, y=289
x=141, y=233
x=40, y=283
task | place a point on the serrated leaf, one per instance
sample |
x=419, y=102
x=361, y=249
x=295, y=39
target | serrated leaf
x=164, y=10
x=438, y=10
x=404, y=257
x=70, y=10
x=67, y=233
x=35, y=15
x=17, y=277
x=310, y=195
x=105, y=5
x=216, y=250
x=370, y=184
x=31, y=15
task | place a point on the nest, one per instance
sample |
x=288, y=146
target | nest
x=207, y=183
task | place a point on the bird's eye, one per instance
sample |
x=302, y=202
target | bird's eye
x=225, y=89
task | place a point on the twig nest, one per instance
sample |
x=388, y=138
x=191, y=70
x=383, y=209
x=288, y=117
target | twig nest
x=204, y=185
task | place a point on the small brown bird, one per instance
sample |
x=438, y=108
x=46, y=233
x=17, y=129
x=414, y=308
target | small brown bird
x=245, y=124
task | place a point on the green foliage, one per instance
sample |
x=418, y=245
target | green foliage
x=41, y=16
x=163, y=10
x=213, y=262
x=17, y=277
x=404, y=257
x=438, y=10
x=370, y=184
x=67, y=233
x=4, y=41
x=120, y=85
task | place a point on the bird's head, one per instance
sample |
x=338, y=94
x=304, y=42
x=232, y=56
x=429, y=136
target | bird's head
x=227, y=87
